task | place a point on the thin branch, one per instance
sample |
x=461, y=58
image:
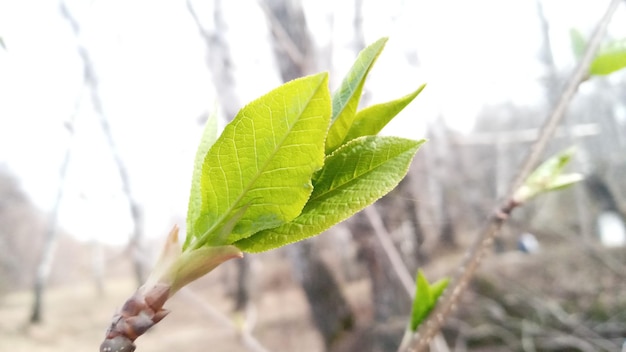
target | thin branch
x=390, y=250
x=400, y=268
x=484, y=241
x=247, y=338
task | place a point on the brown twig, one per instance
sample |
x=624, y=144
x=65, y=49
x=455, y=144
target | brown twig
x=484, y=241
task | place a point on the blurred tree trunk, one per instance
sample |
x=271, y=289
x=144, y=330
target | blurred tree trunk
x=220, y=63
x=295, y=56
x=331, y=312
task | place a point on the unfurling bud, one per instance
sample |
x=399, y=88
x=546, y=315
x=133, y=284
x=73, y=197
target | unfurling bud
x=173, y=271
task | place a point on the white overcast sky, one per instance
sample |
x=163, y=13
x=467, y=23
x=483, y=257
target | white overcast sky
x=154, y=85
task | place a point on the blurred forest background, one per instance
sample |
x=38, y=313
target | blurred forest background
x=102, y=107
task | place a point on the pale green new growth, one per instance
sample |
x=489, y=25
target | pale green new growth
x=547, y=177
x=286, y=168
x=610, y=58
x=346, y=98
x=578, y=42
x=194, y=209
x=371, y=120
x=263, y=162
x=354, y=176
x=426, y=296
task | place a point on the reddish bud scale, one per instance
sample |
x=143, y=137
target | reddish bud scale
x=140, y=312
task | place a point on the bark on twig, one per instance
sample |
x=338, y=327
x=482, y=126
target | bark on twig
x=474, y=256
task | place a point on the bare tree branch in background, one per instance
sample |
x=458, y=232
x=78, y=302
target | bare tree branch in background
x=484, y=241
x=50, y=240
x=91, y=80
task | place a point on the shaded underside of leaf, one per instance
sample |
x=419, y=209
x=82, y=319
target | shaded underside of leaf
x=264, y=161
x=354, y=176
x=371, y=120
x=346, y=98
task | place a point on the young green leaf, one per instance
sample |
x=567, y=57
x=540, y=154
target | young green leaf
x=426, y=296
x=547, y=177
x=610, y=59
x=578, y=42
x=194, y=209
x=264, y=161
x=346, y=98
x=371, y=120
x=354, y=176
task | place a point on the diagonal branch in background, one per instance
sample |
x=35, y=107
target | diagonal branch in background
x=484, y=241
x=91, y=80
x=244, y=332
x=384, y=237
x=390, y=250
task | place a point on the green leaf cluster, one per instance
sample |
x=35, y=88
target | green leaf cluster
x=548, y=177
x=295, y=162
x=426, y=296
x=610, y=58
